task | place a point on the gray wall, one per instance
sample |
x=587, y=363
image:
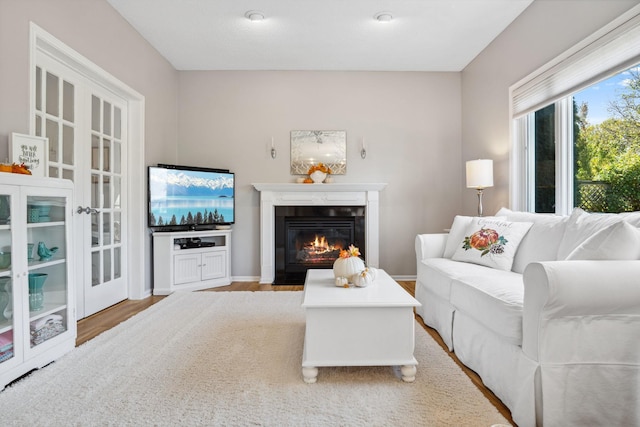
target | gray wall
x=411, y=122
x=98, y=32
x=543, y=31
x=419, y=127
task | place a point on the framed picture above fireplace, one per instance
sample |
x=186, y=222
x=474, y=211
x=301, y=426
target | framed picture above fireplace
x=310, y=147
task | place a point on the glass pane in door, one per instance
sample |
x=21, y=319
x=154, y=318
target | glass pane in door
x=117, y=270
x=53, y=94
x=107, y=265
x=95, y=268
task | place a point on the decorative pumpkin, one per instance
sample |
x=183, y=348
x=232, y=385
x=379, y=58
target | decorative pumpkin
x=318, y=177
x=363, y=278
x=342, y=282
x=373, y=272
x=347, y=267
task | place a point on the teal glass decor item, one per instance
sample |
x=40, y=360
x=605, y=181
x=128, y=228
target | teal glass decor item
x=5, y=288
x=36, y=293
x=45, y=253
x=6, y=299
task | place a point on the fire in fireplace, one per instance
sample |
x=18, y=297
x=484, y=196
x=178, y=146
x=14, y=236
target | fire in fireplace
x=312, y=237
x=318, y=250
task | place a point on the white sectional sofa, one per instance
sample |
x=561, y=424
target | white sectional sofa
x=551, y=323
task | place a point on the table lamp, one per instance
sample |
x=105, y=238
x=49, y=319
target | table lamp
x=480, y=176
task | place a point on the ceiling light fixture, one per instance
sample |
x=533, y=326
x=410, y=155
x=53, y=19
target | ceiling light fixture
x=254, y=15
x=383, y=17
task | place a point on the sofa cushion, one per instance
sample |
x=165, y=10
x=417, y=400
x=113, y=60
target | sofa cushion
x=436, y=274
x=492, y=242
x=541, y=242
x=582, y=225
x=494, y=299
x=619, y=241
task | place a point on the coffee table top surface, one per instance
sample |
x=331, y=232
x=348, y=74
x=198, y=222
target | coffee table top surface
x=320, y=291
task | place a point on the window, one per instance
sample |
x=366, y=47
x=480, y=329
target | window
x=602, y=147
x=570, y=145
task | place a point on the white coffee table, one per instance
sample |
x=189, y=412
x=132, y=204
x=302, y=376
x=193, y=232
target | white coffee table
x=371, y=326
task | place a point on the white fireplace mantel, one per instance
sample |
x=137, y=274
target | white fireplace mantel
x=338, y=194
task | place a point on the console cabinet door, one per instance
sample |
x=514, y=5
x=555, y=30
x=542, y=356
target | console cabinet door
x=188, y=268
x=37, y=311
x=214, y=265
x=11, y=342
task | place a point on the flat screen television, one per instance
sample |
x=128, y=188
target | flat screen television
x=184, y=197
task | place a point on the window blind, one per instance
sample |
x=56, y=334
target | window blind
x=614, y=49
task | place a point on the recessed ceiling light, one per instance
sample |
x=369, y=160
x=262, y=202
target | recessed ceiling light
x=254, y=15
x=383, y=17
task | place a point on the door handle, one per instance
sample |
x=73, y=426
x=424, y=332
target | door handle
x=87, y=210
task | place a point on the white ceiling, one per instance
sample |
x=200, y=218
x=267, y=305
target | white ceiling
x=424, y=35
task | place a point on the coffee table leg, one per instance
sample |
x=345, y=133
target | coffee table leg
x=310, y=375
x=408, y=373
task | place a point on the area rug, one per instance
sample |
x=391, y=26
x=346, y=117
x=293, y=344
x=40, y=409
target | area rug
x=233, y=359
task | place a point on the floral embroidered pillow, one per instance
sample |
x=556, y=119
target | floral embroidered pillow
x=491, y=242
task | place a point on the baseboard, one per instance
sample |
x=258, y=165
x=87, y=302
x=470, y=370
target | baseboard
x=404, y=278
x=245, y=278
x=146, y=294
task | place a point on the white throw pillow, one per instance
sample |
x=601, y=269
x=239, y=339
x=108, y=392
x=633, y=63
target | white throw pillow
x=492, y=242
x=582, y=225
x=541, y=242
x=619, y=241
x=456, y=234
x=632, y=218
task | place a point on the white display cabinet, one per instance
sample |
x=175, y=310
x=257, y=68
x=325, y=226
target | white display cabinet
x=191, y=260
x=37, y=311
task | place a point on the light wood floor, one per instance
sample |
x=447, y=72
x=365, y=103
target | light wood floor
x=110, y=317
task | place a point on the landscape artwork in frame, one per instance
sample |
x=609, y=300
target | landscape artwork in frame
x=30, y=150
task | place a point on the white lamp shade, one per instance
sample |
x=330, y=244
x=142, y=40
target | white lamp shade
x=480, y=173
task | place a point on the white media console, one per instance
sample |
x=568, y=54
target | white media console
x=191, y=260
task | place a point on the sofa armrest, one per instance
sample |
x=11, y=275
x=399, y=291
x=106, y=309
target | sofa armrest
x=582, y=312
x=430, y=245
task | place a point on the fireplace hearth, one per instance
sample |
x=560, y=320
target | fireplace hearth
x=312, y=237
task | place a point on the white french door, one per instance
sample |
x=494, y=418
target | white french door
x=87, y=131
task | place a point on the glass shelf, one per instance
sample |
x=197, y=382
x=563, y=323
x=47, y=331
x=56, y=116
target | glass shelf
x=37, y=264
x=49, y=308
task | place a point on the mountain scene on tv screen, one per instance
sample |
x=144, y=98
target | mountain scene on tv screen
x=190, y=198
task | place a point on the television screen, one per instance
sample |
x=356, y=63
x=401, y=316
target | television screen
x=183, y=197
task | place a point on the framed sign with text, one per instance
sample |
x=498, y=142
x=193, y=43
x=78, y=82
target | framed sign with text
x=30, y=150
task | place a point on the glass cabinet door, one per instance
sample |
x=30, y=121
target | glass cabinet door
x=7, y=301
x=46, y=258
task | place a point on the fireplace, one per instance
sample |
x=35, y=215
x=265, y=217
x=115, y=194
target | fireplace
x=312, y=237
x=364, y=196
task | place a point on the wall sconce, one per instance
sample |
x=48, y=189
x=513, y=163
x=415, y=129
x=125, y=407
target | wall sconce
x=363, y=150
x=254, y=15
x=480, y=176
x=273, y=150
